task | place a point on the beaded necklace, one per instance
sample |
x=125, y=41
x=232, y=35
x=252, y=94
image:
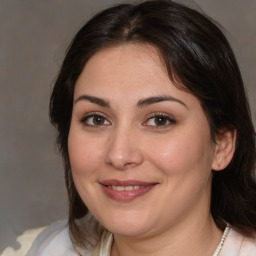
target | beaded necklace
x=218, y=250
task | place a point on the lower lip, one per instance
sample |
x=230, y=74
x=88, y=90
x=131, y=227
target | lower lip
x=124, y=195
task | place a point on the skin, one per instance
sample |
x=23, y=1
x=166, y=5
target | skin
x=126, y=142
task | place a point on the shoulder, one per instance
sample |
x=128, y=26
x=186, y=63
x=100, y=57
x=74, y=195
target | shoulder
x=248, y=247
x=54, y=240
x=51, y=240
x=54, y=235
x=25, y=241
x=238, y=245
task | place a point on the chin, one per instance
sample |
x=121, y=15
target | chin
x=128, y=225
x=127, y=230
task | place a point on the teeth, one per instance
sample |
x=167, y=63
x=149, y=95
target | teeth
x=126, y=188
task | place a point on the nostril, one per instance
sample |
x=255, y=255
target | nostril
x=122, y=153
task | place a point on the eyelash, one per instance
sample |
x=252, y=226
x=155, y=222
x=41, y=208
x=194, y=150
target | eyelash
x=165, y=118
x=85, y=119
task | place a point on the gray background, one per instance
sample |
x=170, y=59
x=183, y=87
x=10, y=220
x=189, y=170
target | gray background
x=33, y=38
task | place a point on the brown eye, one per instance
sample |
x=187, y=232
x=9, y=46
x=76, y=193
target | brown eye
x=95, y=120
x=98, y=120
x=159, y=121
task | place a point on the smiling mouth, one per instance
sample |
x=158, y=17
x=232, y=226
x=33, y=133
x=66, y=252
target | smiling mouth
x=125, y=191
x=126, y=188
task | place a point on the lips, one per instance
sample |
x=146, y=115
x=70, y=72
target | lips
x=126, y=188
x=125, y=191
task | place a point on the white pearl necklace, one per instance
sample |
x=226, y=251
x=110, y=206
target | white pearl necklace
x=224, y=236
x=218, y=250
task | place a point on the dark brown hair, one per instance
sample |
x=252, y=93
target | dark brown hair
x=195, y=52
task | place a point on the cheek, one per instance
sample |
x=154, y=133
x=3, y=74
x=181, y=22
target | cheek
x=182, y=153
x=84, y=153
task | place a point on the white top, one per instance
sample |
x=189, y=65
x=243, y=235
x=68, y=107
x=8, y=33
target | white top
x=54, y=241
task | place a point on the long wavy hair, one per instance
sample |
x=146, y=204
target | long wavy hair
x=195, y=51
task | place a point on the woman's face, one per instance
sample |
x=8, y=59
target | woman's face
x=139, y=147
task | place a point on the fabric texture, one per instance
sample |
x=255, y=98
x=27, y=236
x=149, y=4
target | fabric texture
x=54, y=241
x=25, y=240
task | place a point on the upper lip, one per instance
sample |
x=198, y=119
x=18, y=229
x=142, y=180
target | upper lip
x=126, y=183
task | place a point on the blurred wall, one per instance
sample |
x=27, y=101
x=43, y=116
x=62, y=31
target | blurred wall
x=33, y=38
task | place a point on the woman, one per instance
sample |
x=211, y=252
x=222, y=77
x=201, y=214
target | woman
x=157, y=138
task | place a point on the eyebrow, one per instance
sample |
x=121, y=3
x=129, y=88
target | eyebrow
x=141, y=103
x=157, y=99
x=95, y=100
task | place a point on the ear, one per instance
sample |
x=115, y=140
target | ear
x=224, y=149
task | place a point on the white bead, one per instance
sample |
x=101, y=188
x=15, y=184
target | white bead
x=225, y=234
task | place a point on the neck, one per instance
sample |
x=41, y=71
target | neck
x=197, y=238
x=192, y=233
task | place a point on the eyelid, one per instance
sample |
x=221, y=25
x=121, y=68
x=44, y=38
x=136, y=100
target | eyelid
x=168, y=117
x=92, y=114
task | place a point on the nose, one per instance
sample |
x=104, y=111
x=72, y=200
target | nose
x=123, y=150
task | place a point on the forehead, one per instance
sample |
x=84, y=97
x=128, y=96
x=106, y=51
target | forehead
x=126, y=60
x=128, y=70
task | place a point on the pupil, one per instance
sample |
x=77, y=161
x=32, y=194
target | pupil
x=160, y=121
x=98, y=120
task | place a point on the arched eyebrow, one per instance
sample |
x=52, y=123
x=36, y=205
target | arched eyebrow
x=141, y=103
x=156, y=99
x=99, y=101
